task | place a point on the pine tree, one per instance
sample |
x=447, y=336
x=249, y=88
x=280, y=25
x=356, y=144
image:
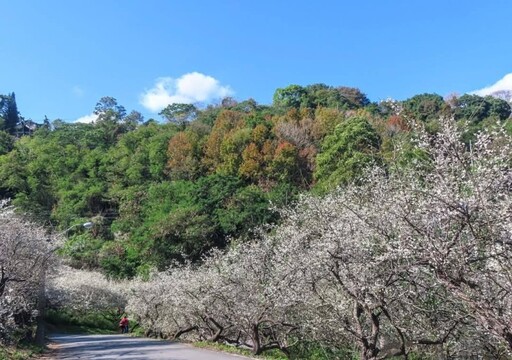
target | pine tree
x=11, y=114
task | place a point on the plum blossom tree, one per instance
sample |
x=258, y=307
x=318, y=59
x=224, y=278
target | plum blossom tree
x=413, y=258
x=232, y=297
x=24, y=256
x=157, y=308
x=83, y=290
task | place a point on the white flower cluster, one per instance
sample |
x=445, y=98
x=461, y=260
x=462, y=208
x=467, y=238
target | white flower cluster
x=24, y=255
x=417, y=258
x=85, y=290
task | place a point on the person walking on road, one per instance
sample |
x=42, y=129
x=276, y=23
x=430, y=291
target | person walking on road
x=124, y=324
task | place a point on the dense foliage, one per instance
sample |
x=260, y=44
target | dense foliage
x=410, y=261
x=321, y=220
x=160, y=192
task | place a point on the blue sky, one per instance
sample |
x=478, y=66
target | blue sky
x=61, y=56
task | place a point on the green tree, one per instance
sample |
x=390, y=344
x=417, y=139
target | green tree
x=3, y=102
x=179, y=114
x=6, y=142
x=220, y=148
x=320, y=95
x=246, y=209
x=26, y=173
x=10, y=114
x=233, y=207
x=108, y=108
x=352, y=98
x=110, y=120
x=498, y=108
x=472, y=108
x=290, y=96
x=132, y=120
x=347, y=152
x=325, y=121
x=186, y=233
x=424, y=107
x=231, y=150
x=173, y=224
x=479, y=112
x=475, y=109
x=284, y=166
x=343, y=98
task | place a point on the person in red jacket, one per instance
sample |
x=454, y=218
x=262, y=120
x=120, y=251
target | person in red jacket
x=123, y=324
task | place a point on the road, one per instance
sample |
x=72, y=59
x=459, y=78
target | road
x=109, y=347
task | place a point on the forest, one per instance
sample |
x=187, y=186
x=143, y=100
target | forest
x=323, y=219
x=165, y=191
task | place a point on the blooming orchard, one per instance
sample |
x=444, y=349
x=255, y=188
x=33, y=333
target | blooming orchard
x=84, y=290
x=24, y=255
x=413, y=258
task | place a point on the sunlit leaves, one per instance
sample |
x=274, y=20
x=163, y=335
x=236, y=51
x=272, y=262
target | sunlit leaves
x=415, y=260
x=345, y=153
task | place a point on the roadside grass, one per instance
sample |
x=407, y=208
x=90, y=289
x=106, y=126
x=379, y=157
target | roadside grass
x=72, y=322
x=267, y=355
x=21, y=352
x=136, y=330
x=302, y=351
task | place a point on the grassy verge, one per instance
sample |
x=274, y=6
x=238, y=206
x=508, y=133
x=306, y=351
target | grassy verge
x=21, y=352
x=303, y=351
x=68, y=321
x=268, y=355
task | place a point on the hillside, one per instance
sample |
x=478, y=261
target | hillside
x=164, y=192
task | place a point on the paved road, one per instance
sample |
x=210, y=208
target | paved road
x=109, y=347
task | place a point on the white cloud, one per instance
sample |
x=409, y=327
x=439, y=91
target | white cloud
x=87, y=119
x=188, y=89
x=77, y=91
x=503, y=84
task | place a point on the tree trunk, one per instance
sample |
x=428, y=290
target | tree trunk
x=183, y=331
x=41, y=309
x=256, y=343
